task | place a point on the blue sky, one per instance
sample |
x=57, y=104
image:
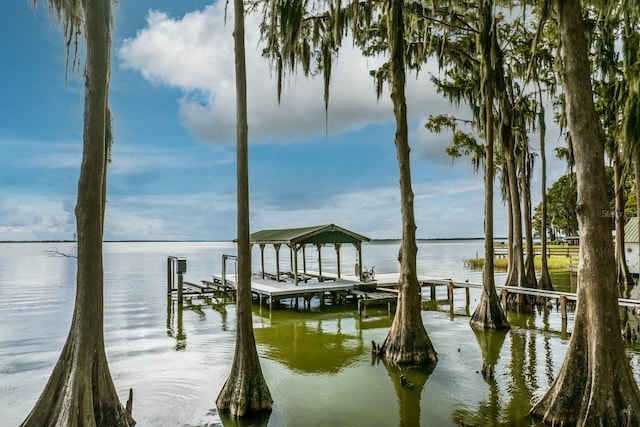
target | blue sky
x=173, y=172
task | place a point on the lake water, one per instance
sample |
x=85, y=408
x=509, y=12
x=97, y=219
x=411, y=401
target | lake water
x=317, y=363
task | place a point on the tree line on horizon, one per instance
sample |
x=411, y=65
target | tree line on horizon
x=502, y=60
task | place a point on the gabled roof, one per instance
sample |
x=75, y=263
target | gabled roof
x=330, y=233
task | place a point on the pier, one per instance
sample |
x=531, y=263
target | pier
x=295, y=281
x=329, y=289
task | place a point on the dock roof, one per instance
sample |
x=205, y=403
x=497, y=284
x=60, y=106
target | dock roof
x=318, y=234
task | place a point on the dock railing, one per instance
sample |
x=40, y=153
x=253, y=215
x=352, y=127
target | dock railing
x=176, y=266
x=224, y=267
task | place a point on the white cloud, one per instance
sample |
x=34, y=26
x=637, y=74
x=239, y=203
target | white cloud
x=197, y=216
x=195, y=54
x=35, y=217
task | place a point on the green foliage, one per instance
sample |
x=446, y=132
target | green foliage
x=300, y=33
x=561, y=205
x=555, y=263
x=561, y=208
x=462, y=143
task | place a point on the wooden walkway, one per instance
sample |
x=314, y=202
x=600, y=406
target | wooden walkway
x=561, y=297
x=272, y=291
x=383, y=292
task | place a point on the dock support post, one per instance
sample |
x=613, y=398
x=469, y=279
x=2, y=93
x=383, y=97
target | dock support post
x=503, y=296
x=450, y=292
x=169, y=276
x=433, y=292
x=277, y=248
x=563, y=306
x=224, y=272
x=319, y=246
x=262, y=259
x=338, y=246
x=466, y=291
x=180, y=288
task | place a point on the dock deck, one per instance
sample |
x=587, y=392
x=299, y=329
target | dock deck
x=281, y=289
x=382, y=290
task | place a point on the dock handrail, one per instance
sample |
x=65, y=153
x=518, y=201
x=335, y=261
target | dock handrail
x=224, y=267
x=176, y=264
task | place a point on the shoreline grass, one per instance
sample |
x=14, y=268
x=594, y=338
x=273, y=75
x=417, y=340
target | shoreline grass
x=554, y=263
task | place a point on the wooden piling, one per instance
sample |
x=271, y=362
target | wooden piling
x=563, y=306
x=433, y=292
x=450, y=292
x=169, y=276
x=180, y=283
x=503, y=297
x=466, y=291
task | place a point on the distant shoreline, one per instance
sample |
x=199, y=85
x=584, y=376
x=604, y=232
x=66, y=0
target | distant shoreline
x=393, y=240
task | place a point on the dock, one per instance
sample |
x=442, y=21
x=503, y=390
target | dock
x=328, y=288
x=272, y=291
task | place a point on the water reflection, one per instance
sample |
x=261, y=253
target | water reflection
x=311, y=345
x=408, y=383
x=489, y=411
x=175, y=328
x=260, y=419
x=522, y=375
x=175, y=324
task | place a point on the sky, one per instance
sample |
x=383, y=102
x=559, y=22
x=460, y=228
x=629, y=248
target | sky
x=173, y=170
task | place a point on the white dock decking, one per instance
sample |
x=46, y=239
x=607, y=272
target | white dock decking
x=281, y=289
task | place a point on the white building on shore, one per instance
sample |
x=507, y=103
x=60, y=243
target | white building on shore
x=632, y=245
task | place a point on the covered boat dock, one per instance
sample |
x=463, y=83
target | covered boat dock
x=297, y=239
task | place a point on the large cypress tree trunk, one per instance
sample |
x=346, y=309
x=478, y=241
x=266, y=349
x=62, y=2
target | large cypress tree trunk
x=636, y=166
x=529, y=267
x=595, y=385
x=518, y=274
x=407, y=341
x=80, y=391
x=545, y=279
x=623, y=277
x=511, y=269
x=245, y=391
x=488, y=313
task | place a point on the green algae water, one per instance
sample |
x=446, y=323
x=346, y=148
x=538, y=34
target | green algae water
x=317, y=363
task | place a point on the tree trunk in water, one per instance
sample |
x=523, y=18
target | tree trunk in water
x=518, y=278
x=488, y=313
x=516, y=256
x=511, y=269
x=636, y=164
x=80, y=391
x=529, y=267
x=623, y=277
x=245, y=391
x=407, y=341
x=595, y=385
x=545, y=279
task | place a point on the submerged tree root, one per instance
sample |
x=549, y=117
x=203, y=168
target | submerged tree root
x=406, y=351
x=489, y=315
x=80, y=393
x=245, y=392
